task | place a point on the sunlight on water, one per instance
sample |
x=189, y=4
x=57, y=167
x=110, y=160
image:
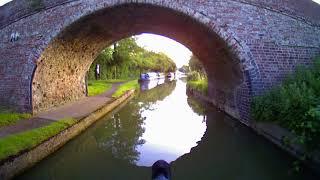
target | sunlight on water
x=163, y=118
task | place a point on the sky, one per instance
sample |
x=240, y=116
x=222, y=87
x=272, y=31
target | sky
x=2, y=2
x=176, y=51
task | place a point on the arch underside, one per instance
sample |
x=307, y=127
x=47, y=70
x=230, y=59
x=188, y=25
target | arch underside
x=60, y=73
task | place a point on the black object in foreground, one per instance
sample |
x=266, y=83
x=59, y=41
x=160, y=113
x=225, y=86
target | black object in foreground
x=161, y=170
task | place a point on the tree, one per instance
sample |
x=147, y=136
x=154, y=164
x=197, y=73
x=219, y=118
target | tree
x=126, y=59
x=184, y=69
x=195, y=65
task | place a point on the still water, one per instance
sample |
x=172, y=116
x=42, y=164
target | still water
x=162, y=122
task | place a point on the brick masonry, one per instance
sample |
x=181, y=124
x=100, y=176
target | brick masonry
x=247, y=46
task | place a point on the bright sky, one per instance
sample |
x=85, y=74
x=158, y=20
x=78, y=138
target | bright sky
x=176, y=51
x=2, y=2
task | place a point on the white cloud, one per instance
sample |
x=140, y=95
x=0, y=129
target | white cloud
x=176, y=51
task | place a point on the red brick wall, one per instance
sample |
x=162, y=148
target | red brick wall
x=246, y=46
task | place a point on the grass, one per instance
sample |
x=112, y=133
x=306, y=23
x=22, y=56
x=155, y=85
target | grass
x=8, y=118
x=116, y=80
x=98, y=87
x=199, y=85
x=133, y=84
x=14, y=144
x=294, y=105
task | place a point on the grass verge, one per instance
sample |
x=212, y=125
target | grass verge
x=98, y=87
x=294, y=105
x=116, y=80
x=126, y=87
x=199, y=85
x=7, y=118
x=14, y=144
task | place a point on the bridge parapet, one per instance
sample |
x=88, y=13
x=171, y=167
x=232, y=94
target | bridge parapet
x=18, y=9
x=304, y=10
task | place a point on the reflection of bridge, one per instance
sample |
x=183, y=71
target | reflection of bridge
x=246, y=46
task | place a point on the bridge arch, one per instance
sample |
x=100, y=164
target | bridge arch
x=247, y=46
x=61, y=67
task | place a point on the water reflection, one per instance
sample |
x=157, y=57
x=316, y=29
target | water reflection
x=121, y=137
x=122, y=134
x=197, y=107
x=172, y=128
x=229, y=150
x=147, y=85
x=145, y=132
x=163, y=123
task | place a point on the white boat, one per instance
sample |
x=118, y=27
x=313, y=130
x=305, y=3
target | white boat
x=170, y=75
x=161, y=76
x=151, y=76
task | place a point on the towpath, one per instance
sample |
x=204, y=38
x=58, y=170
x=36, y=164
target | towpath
x=76, y=110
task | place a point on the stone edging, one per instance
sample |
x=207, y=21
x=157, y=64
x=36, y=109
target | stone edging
x=16, y=165
x=274, y=134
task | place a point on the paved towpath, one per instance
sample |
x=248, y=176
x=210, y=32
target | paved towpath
x=76, y=110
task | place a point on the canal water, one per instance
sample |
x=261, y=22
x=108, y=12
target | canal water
x=162, y=122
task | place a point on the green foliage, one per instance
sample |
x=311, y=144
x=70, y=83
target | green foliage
x=125, y=59
x=184, y=69
x=9, y=118
x=194, y=76
x=195, y=64
x=126, y=87
x=199, y=85
x=295, y=105
x=98, y=87
x=197, y=78
x=14, y=144
x=116, y=80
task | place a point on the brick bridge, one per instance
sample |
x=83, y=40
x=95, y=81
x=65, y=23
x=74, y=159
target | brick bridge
x=247, y=46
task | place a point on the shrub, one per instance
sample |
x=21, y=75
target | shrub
x=194, y=76
x=198, y=81
x=295, y=105
x=199, y=85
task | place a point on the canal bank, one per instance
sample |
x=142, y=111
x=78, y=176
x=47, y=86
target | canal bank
x=199, y=141
x=17, y=163
x=275, y=134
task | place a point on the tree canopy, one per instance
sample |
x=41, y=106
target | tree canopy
x=195, y=65
x=126, y=59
